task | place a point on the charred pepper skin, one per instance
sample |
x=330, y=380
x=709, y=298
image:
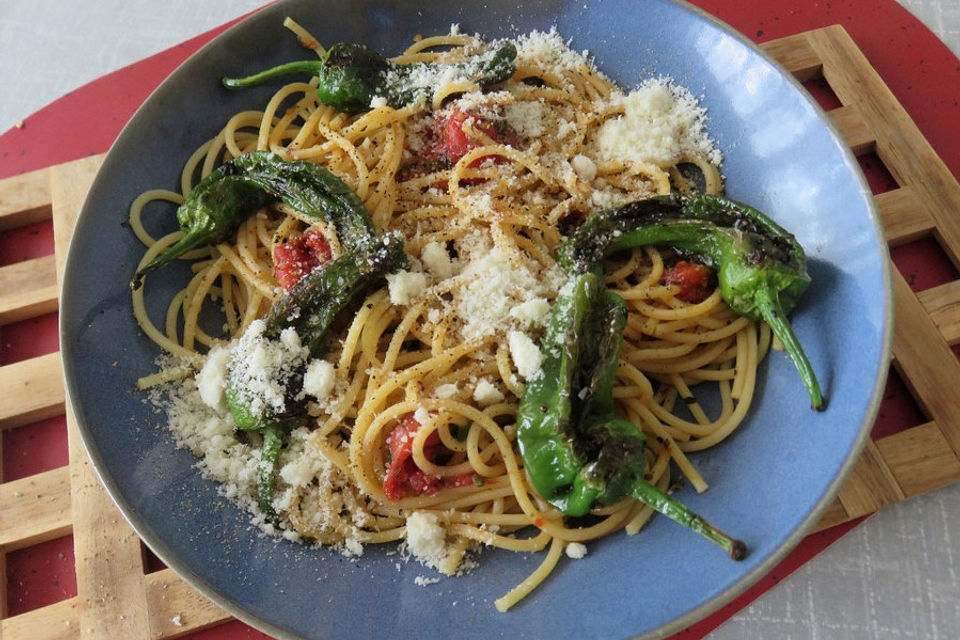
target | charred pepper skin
x=576, y=451
x=230, y=194
x=761, y=268
x=350, y=75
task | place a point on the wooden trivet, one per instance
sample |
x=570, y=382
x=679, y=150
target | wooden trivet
x=117, y=598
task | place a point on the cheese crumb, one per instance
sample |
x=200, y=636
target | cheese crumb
x=576, y=550
x=584, y=167
x=212, y=378
x=423, y=581
x=437, y=260
x=533, y=312
x=526, y=355
x=421, y=415
x=446, y=390
x=426, y=539
x=486, y=393
x=405, y=286
x=319, y=379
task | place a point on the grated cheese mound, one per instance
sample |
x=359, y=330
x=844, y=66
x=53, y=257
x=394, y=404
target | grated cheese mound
x=497, y=282
x=662, y=122
x=549, y=51
x=261, y=368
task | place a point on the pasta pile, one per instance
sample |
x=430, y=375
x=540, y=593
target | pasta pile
x=447, y=346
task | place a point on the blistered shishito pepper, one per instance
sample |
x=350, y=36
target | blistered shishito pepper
x=576, y=451
x=350, y=75
x=761, y=268
x=223, y=200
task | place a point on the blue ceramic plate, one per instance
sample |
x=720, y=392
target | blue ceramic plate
x=769, y=482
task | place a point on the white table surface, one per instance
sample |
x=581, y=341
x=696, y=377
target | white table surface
x=894, y=576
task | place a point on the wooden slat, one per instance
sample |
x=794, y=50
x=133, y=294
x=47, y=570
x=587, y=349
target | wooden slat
x=920, y=459
x=942, y=303
x=925, y=362
x=69, y=184
x=835, y=514
x=110, y=576
x=796, y=55
x=909, y=158
x=57, y=621
x=35, y=509
x=176, y=608
x=28, y=289
x=24, y=199
x=32, y=391
x=870, y=486
x=904, y=219
x=853, y=128
x=110, y=584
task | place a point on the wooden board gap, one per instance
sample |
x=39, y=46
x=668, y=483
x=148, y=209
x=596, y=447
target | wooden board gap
x=924, y=264
x=35, y=448
x=40, y=575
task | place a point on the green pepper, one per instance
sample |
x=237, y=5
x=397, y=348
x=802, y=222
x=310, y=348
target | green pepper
x=761, y=268
x=230, y=194
x=350, y=75
x=576, y=451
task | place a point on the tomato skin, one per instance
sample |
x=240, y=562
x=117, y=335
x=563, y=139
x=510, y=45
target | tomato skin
x=695, y=281
x=456, y=142
x=404, y=478
x=448, y=142
x=299, y=256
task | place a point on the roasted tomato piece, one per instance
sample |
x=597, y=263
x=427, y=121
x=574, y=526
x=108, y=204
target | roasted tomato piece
x=695, y=281
x=298, y=256
x=456, y=142
x=404, y=478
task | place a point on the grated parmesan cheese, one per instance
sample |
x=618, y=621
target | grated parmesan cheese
x=261, y=368
x=498, y=281
x=437, y=260
x=532, y=312
x=319, y=379
x=446, y=390
x=213, y=377
x=406, y=286
x=662, y=122
x=547, y=50
x=426, y=539
x=576, y=550
x=487, y=393
x=584, y=167
x=526, y=355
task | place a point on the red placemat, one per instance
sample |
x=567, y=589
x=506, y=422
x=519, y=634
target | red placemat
x=918, y=68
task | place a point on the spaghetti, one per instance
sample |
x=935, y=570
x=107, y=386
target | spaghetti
x=412, y=434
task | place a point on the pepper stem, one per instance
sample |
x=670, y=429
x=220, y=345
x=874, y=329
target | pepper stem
x=774, y=316
x=679, y=512
x=273, y=436
x=298, y=66
x=174, y=251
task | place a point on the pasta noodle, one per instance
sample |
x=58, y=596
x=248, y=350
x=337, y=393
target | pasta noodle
x=440, y=347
